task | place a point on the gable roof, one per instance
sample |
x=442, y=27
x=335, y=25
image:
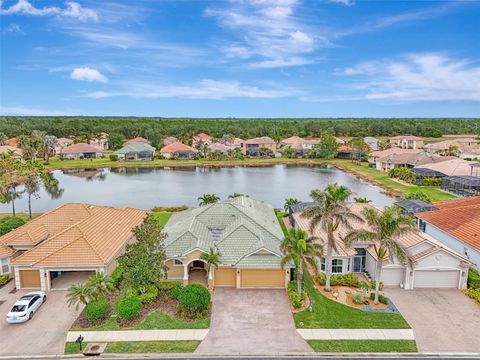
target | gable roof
x=175, y=147
x=94, y=238
x=406, y=137
x=459, y=218
x=202, y=136
x=451, y=167
x=137, y=139
x=135, y=147
x=80, y=148
x=413, y=159
x=238, y=228
x=392, y=151
x=260, y=140
x=297, y=142
x=170, y=140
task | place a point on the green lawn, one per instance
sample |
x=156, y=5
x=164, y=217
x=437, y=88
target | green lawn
x=23, y=216
x=363, y=345
x=162, y=217
x=126, y=347
x=329, y=314
x=280, y=216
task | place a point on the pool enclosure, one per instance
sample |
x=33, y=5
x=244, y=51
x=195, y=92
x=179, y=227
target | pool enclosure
x=462, y=185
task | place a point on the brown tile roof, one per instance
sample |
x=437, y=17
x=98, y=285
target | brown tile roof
x=459, y=218
x=297, y=142
x=12, y=142
x=80, y=148
x=177, y=147
x=392, y=151
x=414, y=159
x=219, y=147
x=137, y=139
x=5, y=250
x=260, y=140
x=451, y=167
x=94, y=240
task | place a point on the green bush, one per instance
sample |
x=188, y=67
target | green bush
x=358, y=298
x=97, y=309
x=194, y=300
x=295, y=299
x=128, y=308
x=9, y=223
x=150, y=295
x=113, y=157
x=403, y=174
x=169, y=290
x=473, y=293
x=339, y=280
x=4, y=279
x=372, y=285
x=429, y=181
x=419, y=195
x=381, y=298
x=473, y=280
x=117, y=276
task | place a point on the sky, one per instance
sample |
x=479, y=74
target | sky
x=238, y=58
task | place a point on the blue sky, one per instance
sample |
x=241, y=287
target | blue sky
x=258, y=58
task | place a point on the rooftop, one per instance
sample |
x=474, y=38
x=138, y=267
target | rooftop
x=135, y=147
x=176, y=147
x=260, y=140
x=80, y=148
x=137, y=139
x=451, y=167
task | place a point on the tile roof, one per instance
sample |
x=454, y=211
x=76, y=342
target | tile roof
x=95, y=237
x=392, y=151
x=175, y=147
x=219, y=147
x=202, y=136
x=413, y=159
x=135, y=147
x=406, y=137
x=80, y=148
x=137, y=139
x=7, y=148
x=12, y=142
x=170, y=140
x=238, y=228
x=297, y=142
x=459, y=218
x=451, y=167
x=260, y=140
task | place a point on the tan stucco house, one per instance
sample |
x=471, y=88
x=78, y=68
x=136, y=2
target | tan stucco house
x=246, y=234
x=251, y=147
x=68, y=244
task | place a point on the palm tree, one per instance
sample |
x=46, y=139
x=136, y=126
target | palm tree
x=78, y=294
x=206, y=199
x=289, y=202
x=330, y=211
x=235, y=195
x=212, y=258
x=99, y=285
x=300, y=249
x=49, y=143
x=362, y=200
x=386, y=227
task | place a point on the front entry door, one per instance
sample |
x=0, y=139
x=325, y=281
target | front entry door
x=358, y=264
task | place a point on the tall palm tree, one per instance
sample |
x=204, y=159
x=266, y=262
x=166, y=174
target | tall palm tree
x=386, y=228
x=212, y=258
x=208, y=199
x=99, y=285
x=300, y=249
x=329, y=212
x=78, y=294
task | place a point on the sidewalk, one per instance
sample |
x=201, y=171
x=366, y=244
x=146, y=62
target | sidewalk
x=356, y=334
x=138, y=335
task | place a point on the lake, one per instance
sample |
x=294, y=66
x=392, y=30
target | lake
x=145, y=187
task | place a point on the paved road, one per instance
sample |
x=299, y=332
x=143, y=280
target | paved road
x=320, y=357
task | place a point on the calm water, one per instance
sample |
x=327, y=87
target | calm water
x=148, y=187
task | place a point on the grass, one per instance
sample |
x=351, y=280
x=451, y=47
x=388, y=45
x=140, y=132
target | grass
x=126, y=347
x=280, y=216
x=23, y=216
x=367, y=346
x=161, y=217
x=329, y=314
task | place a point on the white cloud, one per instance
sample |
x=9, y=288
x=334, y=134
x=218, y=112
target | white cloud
x=204, y=89
x=26, y=111
x=343, y=2
x=88, y=74
x=72, y=10
x=13, y=28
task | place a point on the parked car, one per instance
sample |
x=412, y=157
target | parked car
x=26, y=306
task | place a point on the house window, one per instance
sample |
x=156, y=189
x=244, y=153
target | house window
x=177, y=262
x=348, y=264
x=337, y=266
x=5, y=266
x=422, y=225
x=322, y=264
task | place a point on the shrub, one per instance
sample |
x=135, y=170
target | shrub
x=340, y=280
x=473, y=279
x=169, y=209
x=403, y=174
x=150, y=295
x=113, y=157
x=117, y=276
x=9, y=223
x=97, y=309
x=4, y=279
x=372, y=285
x=364, y=285
x=358, y=298
x=381, y=298
x=129, y=307
x=429, y=181
x=194, y=300
x=473, y=293
x=419, y=195
x=295, y=299
x=169, y=290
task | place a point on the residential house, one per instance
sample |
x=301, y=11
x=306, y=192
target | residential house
x=170, y=140
x=344, y=152
x=451, y=167
x=6, y=149
x=372, y=143
x=178, y=151
x=465, y=148
x=456, y=224
x=12, y=142
x=137, y=139
x=251, y=147
x=300, y=145
x=101, y=142
x=67, y=245
x=137, y=151
x=201, y=139
x=80, y=151
x=233, y=142
x=219, y=147
x=374, y=155
x=407, y=142
x=246, y=234
x=61, y=144
x=408, y=160
x=434, y=264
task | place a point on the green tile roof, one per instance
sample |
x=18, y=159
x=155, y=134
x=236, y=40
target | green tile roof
x=237, y=228
x=134, y=147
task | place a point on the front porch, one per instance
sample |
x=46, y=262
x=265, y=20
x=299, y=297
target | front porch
x=195, y=272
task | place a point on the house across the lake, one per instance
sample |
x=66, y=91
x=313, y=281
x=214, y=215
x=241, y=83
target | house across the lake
x=246, y=234
x=407, y=142
x=80, y=151
x=201, y=139
x=136, y=140
x=251, y=147
x=178, y=151
x=137, y=151
x=7, y=149
x=100, y=142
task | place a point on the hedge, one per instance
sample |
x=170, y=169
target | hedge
x=339, y=280
x=473, y=280
x=193, y=300
x=129, y=308
x=96, y=309
x=117, y=276
x=4, y=279
x=9, y=223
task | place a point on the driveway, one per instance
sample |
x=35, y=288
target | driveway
x=45, y=334
x=252, y=322
x=442, y=320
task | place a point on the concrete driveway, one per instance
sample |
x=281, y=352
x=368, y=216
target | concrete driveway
x=252, y=322
x=45, y=334
x=442, y=320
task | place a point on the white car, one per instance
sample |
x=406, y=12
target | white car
x=26, y=306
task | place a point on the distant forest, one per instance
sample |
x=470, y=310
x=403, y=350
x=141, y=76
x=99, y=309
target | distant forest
x=183, y=128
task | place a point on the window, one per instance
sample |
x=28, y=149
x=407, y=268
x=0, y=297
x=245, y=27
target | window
x=337, y=266
x=177, y=262
x=322, y=264
x=422, y=225
x=5, y=266
x=348, y=264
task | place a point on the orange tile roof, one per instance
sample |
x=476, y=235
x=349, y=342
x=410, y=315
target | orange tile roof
x=459, y=218
x=94, y=240
x=177, y=147
x=202, y=136
x=11, y=142
x=80, y=148
x=137, y=139
x=344, y=148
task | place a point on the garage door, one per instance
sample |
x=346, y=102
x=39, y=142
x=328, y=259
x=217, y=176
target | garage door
x=262, y=278
x=392, y=277
x=225, y=277
x=30, y=279
x=436, y=279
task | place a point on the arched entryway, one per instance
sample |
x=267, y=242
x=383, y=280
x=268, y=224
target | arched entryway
x=197, y=272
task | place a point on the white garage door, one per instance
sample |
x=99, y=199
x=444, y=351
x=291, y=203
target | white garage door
x=392, y=277
x=436, y=279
